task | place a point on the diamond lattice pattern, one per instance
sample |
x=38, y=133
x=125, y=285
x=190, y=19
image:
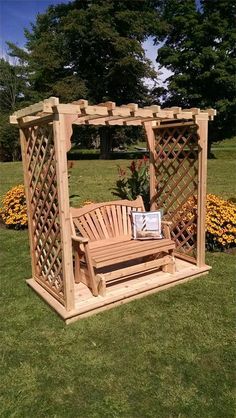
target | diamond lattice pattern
x=41, y=165
x=176, y=183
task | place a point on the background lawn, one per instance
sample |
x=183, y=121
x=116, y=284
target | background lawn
x=167, y=355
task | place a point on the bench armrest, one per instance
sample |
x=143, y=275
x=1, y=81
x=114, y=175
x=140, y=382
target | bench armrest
x=166, y=228
x=169, y=223
x=79, y=239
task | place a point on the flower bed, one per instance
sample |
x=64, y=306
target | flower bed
x=220, y=221
x=14, y=211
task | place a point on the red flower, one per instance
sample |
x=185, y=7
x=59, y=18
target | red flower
x=121, y=172
x=140, y=163
x=132, y=167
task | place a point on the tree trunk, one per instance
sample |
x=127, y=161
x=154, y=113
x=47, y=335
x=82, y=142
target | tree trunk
x=105, y=143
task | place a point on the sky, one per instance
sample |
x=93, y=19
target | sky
x=15, y=15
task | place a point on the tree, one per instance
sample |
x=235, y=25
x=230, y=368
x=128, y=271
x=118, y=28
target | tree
x=13, y=87
x=92, y=49
x=199, y=49
x=9, y=139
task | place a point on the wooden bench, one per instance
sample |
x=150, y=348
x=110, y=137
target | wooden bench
x=104, y=250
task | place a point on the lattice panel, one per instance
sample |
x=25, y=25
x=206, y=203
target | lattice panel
x=41, y=166
x=176, y=182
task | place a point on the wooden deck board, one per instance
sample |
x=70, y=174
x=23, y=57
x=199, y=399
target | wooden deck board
x=121, y=292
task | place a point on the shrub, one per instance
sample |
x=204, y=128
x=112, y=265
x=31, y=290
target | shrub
x=220, y=221
x=9, y=139
x=14, y=211
x=135, y=182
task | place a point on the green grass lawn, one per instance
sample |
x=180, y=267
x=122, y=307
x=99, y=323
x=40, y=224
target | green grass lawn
x=167, y=355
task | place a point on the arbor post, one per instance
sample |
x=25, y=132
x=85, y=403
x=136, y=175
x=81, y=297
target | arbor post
x=202, y=130
x=64, y=208
x=152, y=172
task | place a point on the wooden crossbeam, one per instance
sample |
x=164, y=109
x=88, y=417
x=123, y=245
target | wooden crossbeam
x=172, y=125
x=82, y=103
x=98, y=120
x=109, y=105
x=154, y=108
x=43, y=106
x=111, y=120
x=117, y=120
x=35, y=120
x=90, y=114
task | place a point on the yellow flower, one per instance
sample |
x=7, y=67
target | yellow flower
x=14, y=212
x=220, y=219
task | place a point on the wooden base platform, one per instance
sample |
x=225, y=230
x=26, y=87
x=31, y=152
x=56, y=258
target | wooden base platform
x=121, y=292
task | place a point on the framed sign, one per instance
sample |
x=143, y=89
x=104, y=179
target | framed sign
x=146, y=225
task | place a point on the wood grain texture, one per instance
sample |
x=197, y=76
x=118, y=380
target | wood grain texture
x=118, y=294
x=202, y=180
x=177, y=141
x=106, y=113
x=176, y=168
x=107, y=226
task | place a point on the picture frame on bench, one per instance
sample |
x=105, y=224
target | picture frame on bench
x=146, y=225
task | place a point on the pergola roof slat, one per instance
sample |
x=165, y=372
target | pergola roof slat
x=108, y=113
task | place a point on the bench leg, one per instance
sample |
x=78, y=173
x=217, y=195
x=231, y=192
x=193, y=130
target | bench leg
x=92, y=279
x=77, y=267
x=170, y=267
x=101, y=283
x=85, y=274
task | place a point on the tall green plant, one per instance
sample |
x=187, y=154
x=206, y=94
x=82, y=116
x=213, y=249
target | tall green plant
x=135, y=182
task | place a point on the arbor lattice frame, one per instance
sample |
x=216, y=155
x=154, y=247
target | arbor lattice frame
x=176, y=167
x=45, y=175
x=43, y=197
x=177, y=141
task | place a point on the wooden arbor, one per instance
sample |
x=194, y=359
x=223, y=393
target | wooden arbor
x=177, y=141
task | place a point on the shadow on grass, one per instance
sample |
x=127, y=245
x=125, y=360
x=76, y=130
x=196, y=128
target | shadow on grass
x=125, y=155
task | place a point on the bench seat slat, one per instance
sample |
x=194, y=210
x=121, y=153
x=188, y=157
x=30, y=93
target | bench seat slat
x=130, y=252
x=130, y=245
x=106, y=243
x=114, y=245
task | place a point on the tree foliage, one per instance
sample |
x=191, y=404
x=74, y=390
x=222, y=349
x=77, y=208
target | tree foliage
x=13, y=92
x=91, y=49
x=199, y=49
x=9, y=139
x=94, y=49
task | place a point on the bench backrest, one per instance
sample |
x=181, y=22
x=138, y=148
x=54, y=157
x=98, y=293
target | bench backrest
x=100, y=221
